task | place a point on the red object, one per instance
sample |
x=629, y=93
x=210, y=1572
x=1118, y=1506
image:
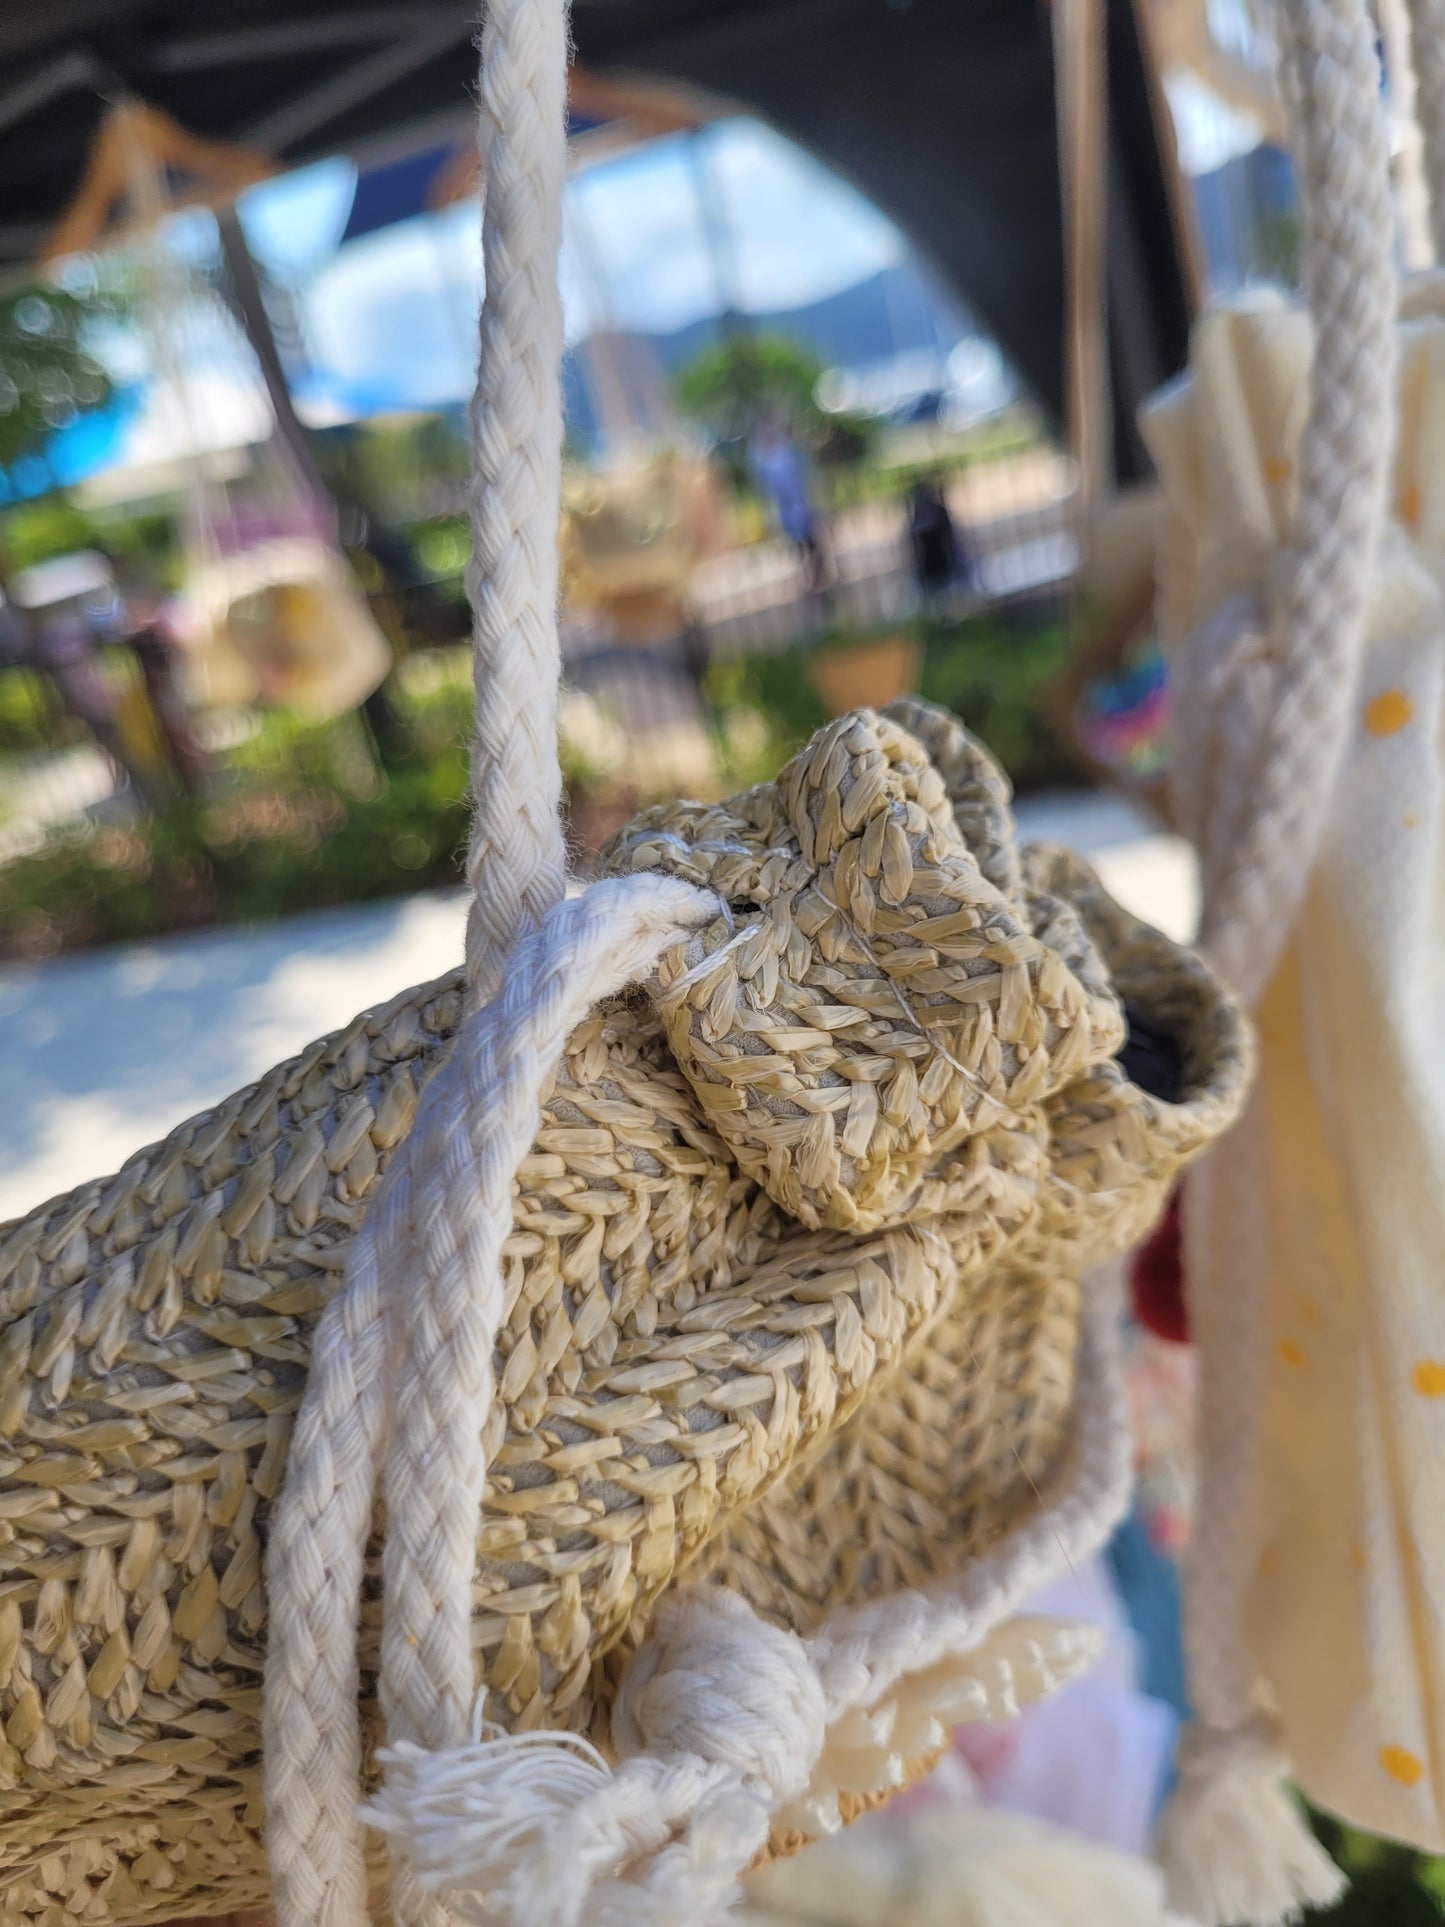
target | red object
x=1158, y=1279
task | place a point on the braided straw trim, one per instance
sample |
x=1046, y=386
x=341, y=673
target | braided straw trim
x=786, y=1842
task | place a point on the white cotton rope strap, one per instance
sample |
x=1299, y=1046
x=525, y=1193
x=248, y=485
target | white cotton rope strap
x=516, y=869
x=1427, y=50
x=1264, y=697
x=516, y=856
x=477, y=1132
x=720, y=1719
x=426, y=1259
x=1286, y=766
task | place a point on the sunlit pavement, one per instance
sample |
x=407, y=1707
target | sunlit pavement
x=104, y=1053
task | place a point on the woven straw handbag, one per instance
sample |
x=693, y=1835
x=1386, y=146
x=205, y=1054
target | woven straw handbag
x=695, y=1278
x=818, y=1364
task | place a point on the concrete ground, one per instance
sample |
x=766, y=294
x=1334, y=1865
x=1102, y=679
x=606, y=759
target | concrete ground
x=101, y=1054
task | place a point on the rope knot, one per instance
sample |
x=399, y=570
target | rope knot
x=1204, y=1751
x=715, y=1683
x=719, y=1719
x=1233, y=1845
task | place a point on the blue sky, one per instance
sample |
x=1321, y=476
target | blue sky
x=395, y=310
x=389, y=320
x=392, y=315
x=794, y=232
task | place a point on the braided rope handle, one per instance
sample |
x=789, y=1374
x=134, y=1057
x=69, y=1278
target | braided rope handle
x=1254, y=882
x=1427, y=50
x=516, y=869
x=516, y=857
x=444, y=1209
x=1272, y=688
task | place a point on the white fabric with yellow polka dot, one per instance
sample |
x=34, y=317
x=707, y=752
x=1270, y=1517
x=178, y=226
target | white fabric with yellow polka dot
x=1340, y=1553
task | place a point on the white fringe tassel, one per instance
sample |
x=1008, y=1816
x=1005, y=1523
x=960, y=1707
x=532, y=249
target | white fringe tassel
x=1235, y=1848
x=720, y=1720
x=537, y=1828
x=481, y=1814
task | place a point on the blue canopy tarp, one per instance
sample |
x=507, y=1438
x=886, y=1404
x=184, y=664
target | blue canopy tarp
x=73, y=453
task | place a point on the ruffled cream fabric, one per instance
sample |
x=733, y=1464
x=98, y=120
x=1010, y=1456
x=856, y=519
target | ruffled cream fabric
x=1344, y=1235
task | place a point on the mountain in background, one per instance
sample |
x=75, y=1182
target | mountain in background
x=901, y=310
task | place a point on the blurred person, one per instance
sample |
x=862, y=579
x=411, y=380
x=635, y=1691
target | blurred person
x=152, y=639
x=780, y=469
x=938, y=557
x=14, y=635
x=66, y=649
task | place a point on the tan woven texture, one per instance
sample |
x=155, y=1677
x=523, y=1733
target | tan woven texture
x=792, y=1294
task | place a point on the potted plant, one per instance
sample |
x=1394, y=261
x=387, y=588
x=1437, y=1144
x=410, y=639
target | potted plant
x=868, y=668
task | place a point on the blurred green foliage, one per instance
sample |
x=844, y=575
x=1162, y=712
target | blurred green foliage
x=1390, y=1885
x=30, y=717
x=991, y=671
x=48, y=374
x=51, y=525
x=730, y=388
x=988, y=672
x=402, y=472
x=305, y=817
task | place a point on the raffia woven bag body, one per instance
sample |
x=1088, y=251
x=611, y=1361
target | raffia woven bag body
x=694, y=1279
x=792, y=1301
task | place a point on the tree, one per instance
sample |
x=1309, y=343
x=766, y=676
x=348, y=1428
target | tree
x=48, y=374
x=730, y=387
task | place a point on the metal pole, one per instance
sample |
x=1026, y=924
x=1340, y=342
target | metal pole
x=249, y=306
x=1081, y=100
